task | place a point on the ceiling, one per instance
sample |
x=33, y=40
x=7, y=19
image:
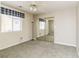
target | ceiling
x=43, y=6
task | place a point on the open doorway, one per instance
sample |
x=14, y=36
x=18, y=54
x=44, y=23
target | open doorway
x=46, y=30
x=51, y=27
x=50, y=35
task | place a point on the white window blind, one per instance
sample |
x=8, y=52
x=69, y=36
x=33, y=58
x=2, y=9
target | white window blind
x=17, y=24
x=11, y=20
x=10, y=23
x=6, y=23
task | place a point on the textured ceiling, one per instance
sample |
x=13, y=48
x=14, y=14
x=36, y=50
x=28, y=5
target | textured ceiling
x=43, y=6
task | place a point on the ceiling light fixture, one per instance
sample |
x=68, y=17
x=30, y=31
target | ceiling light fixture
x=33, y=7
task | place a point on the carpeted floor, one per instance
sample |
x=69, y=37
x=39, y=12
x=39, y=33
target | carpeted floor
x=39, y=49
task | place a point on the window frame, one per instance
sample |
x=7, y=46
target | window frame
x=13, y=14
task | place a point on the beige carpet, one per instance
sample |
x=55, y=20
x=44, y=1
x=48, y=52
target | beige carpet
x=39, y=49
x=49, y=38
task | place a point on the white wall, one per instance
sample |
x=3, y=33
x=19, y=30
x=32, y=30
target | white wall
x=64, y=26
x=12, y=38
x=77, y=29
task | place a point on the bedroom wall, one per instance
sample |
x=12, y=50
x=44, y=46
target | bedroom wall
x=64, y=26
x=77, y=41
x=8, y=39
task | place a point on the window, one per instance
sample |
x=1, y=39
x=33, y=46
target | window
x=9, y=23
x=6, y=23
x=17, y=24
x=42, y=25
x=11, y=20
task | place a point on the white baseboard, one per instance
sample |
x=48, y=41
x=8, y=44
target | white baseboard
x=65, y=44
